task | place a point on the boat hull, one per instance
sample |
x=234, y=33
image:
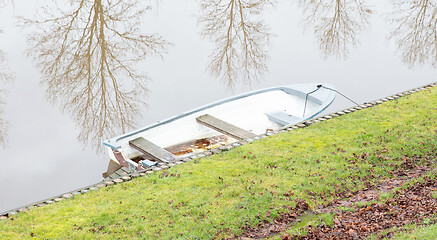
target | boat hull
x=255, y=112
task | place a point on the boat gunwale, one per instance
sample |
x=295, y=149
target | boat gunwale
x=287, y=89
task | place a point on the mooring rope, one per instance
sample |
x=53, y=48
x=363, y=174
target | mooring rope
x=321, y=86
x=306, y=99
x=339, y=93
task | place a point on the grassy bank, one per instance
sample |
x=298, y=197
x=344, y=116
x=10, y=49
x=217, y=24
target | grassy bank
x=224, y=195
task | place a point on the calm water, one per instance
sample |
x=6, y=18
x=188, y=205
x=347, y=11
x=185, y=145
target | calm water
x=104, y=67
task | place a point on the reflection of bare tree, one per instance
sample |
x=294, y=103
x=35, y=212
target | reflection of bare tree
x=5, y=76
x=240, y=38
x=336, y=23
x=4, y=2
x=4, y=73
x=84, y=52
x=415, y=31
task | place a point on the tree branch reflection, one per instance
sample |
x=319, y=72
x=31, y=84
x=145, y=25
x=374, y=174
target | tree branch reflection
x=415, y=30
x=336, y=23
x=87, y=55
x=240, y=39
x=5, y=76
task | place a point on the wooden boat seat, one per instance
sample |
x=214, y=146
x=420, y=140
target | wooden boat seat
x=281, y=117
x=151, y=151
x=224, y=127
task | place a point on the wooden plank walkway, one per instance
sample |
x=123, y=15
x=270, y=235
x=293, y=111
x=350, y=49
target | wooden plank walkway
x=224, y=127
x=152, y=151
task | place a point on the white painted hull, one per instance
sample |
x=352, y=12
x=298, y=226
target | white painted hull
x=247, y=111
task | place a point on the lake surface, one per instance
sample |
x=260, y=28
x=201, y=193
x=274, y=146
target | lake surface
x=104, y=67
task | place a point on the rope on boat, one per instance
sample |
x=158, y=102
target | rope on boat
x=321, y=86
x=306, y=99
x=339, y=93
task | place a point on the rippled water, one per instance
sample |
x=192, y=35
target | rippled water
x=99, y=68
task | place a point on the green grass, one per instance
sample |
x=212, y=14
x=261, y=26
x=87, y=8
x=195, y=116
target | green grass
x=214, y=197
x=421, y=232
x=434, y=194
x=346, y=209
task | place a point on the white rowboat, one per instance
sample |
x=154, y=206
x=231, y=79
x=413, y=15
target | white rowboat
x=213, y=125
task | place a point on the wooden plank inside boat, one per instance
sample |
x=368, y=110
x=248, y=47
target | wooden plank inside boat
x=152, y=151
x=224, y=127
